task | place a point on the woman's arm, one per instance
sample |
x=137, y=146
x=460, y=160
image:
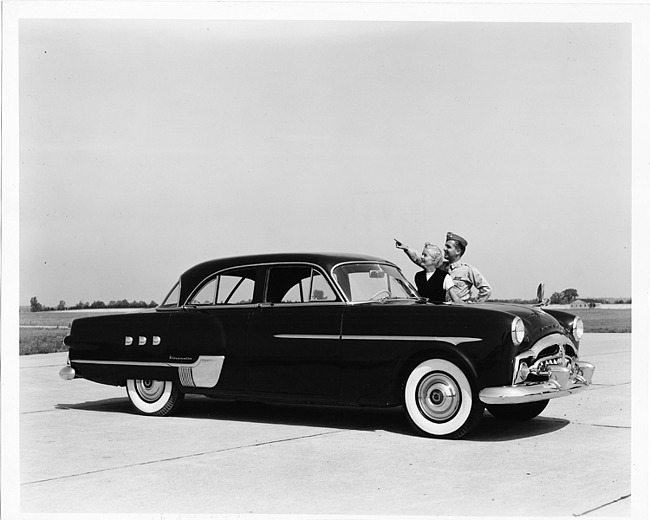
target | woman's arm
x=450, y=287
x=413, y=255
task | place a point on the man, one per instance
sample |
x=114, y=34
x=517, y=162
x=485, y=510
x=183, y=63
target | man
x=464, y=275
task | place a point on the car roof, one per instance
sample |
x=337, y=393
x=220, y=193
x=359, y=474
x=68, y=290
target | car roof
x=190, y=278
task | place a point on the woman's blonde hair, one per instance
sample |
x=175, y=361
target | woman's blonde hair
x=435, y=253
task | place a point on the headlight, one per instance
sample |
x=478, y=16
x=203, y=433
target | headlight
x=517, y=331
x=577, y=328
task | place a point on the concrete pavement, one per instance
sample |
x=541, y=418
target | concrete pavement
x=83, y=450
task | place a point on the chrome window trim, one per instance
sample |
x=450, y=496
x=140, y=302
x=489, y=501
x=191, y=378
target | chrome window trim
x=267, y=265
x=221, y=306
x=301, y=304
x=329, y=276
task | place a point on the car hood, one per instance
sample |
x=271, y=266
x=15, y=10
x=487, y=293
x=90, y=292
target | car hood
x=537, y=321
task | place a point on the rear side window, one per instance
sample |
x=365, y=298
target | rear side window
x=235, y=287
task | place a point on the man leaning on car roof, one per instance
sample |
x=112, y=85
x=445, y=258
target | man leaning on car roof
x=464, y=275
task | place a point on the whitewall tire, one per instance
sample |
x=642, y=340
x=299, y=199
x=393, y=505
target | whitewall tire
x=151, y=397
x=440, y=400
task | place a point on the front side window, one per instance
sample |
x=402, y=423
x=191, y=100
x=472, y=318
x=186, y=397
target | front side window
x=364, y=282
x=298, y=284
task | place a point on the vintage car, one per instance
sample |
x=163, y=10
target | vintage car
x=332, y=329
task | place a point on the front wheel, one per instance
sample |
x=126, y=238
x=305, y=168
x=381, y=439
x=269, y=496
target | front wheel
x=151, y=397
x=517, y=412
x=440, y=400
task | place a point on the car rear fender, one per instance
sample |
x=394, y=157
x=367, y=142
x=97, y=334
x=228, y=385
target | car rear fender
x=112, y=349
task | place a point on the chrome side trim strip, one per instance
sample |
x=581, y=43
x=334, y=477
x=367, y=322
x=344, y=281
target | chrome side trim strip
x=203, y=373
x=307, y=336
x=454, y=340
x=136, y=363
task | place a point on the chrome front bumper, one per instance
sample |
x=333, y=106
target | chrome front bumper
x=562, y=382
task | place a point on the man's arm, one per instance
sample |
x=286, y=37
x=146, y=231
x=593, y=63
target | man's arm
x=484, y=288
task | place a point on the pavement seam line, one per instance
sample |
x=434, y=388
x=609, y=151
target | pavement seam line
x=554, y=419
x=179, y=457
x=604, y=505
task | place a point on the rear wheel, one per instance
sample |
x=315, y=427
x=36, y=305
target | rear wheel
x=151, y=397
x=517, y=412
x=440, y=400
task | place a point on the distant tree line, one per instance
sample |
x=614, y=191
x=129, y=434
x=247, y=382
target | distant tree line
x=35, y=305
x=564, y=297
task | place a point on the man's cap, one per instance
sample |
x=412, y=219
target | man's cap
x=458, y=238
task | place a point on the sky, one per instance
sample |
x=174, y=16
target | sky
x=147, y=146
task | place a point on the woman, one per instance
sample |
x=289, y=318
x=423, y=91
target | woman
x=432, y=283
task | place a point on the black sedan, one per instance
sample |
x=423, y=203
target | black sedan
x=332, y=329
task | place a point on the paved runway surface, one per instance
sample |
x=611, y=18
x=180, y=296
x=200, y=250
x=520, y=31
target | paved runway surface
x=83, y=450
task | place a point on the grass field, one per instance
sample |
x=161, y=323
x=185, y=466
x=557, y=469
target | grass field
x=605, y=320
x=43, y=332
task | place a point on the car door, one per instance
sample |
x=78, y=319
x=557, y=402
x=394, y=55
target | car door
x=294, y=342
x=227, y=298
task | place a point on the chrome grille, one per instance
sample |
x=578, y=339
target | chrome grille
x=552, y=350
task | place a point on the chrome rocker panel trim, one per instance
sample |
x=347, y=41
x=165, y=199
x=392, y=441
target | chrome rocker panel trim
x=562, y=382
x=203, y=373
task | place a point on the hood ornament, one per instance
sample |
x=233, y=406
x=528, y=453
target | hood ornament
x=541, y=301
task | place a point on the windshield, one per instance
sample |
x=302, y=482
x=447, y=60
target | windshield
x=364, y=282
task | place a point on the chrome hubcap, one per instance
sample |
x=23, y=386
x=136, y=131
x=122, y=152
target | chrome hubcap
x=149, y=390
x=438, y=397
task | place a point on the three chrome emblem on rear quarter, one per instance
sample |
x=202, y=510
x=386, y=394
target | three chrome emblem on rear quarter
x=142, y=340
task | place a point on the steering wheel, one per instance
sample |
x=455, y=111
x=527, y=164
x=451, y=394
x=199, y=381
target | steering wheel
x=378, y=293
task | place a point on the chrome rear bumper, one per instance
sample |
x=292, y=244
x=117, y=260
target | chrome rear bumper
x=67, y=373
x=562, y=382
